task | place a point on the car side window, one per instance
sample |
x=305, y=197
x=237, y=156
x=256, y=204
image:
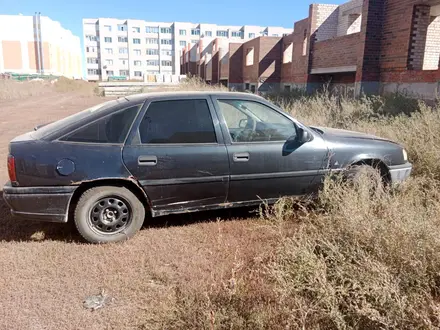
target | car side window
x=110, y=129
x=250, y=121
x=177, y=122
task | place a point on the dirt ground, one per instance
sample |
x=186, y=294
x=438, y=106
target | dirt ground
x=47, y=271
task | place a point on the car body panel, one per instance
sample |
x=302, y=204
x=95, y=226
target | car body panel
x=185, y=175
x=272, y=169
x=185, y=178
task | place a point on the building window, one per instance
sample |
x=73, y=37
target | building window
x=123, y=50
x=166, y=42
x=222, y=33
x=305, y=41
x=108, y=39
x=94, y=72
x=275, y=35
x=195, y=32
x=110, y=73
x=152, y=72
x=123, y=61
x=249, y=56
x=182, y=32
x=191, y=123
x=152, y=62
x=151, y=51
x=195, y=42
x=137, y=63
x=208, y=33
x=152, y=41
x=122, y=39
x=237, y=34
x=165, y=30
x=167, y=52
x=92, y=60
x=108, y=50
x=91, y=38
x=123, y=73
x=152, y=29
x=108, y=28
x=285, y=35
x=264, y=33
x=122, y=27
x=251, y=35
x=288, y=53
x=182, y=43
x=109, y=62
x=136, y=41
x=137, y=52
x=138, y=73
x=136, y=29
x=167, y=63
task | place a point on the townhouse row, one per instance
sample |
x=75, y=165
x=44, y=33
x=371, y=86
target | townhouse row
x=362, y=46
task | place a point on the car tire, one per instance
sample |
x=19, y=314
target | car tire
x=108, y=214
x=355, y=172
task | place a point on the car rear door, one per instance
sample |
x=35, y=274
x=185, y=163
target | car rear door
x=266, y=159
x=177, y=152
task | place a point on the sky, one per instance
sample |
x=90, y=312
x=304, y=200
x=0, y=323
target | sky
x=223, y=12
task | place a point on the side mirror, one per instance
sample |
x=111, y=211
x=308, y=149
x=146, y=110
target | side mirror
x=243, y=123
x=304, y=136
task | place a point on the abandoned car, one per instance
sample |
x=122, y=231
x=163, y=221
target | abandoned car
x=109, y=167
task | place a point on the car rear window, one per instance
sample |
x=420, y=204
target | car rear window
x=67, y=121
x=112, y=128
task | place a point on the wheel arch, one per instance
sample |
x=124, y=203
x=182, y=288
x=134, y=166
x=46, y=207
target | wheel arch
x=376, y=163
x=130, y=184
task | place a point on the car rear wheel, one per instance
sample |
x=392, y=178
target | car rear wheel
x=108, y=214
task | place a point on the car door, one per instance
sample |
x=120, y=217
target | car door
x=177, y=153
x=267, y=160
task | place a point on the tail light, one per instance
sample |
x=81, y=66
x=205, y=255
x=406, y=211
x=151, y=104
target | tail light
x=11, y=169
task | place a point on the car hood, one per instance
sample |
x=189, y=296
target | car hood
x=334, y=133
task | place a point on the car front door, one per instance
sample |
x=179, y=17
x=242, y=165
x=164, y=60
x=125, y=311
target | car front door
x=177, y=153
x=267, y=158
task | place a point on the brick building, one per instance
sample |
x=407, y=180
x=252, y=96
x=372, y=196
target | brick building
x=371, y=46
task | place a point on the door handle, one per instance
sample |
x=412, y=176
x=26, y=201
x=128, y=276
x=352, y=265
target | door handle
x=147, y=160
x=241, y=157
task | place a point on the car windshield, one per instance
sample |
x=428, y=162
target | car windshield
x=67, y=121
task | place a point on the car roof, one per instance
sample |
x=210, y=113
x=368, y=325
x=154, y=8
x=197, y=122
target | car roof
x=176, y=94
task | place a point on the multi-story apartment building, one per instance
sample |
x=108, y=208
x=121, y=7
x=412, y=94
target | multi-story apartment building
x=38, y=45
x=133, y=48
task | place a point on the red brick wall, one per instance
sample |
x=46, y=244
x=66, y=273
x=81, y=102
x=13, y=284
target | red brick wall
x=269, y=59
x=250, y=72
x=337, y=52
x=235, y=63
x=398, y=48
x=215, y=68
x=193, y=68
x=224, y=66
x=286, y=68
x=299, y=67
x=202, y=68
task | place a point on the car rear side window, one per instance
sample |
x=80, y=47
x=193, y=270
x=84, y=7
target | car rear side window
x=110, y=129
x=177, y=122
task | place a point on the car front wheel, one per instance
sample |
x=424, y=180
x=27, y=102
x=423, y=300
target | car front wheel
x=108, y=214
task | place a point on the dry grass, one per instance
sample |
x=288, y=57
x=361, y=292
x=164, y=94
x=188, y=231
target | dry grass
x=361, y=257
x=13, y=90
